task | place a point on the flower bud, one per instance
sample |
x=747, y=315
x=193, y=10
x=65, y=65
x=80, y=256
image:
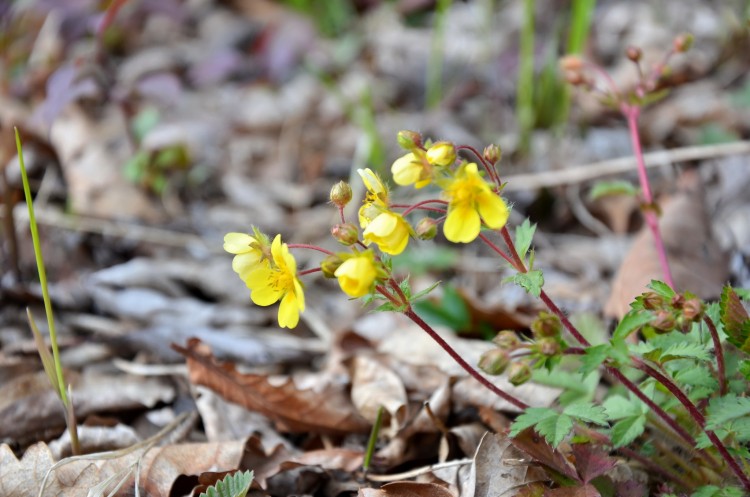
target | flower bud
x=663, y=322
x=546, y=325
x=652, y=301
x=572, y=63
x=442, y=154
x=494, y=361
x=692, y=309
x=345, y=234
x=330, y=264
x=634, y=53
x=492, y=154
x=683, y=42
x=507, y=340
x=341, y=194
x=519, y=373
x=548, y=346
x=574, y=78
x=409, y=140
x=426, y=228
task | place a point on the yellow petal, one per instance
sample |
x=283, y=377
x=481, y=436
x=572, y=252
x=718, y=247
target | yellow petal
x=265, y=296
x=382, y=226
x=493, y=210
x=289, y=311
x=300, y=294
x=462, y=225
x=244, y=263
x=238, y=243
x=406, y=170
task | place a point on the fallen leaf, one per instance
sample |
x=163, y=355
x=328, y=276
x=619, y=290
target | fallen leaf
x=373, y=386
x=325, y=409
x=407, y=489
x=586, y=490
x=531, y=443
x=591, y=461
x=499, y=469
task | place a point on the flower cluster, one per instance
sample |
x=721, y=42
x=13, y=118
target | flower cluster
x=468, y=201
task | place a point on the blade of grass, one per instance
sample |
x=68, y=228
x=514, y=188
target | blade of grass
x=53, y=370
x=525, y=85
x=434, y=92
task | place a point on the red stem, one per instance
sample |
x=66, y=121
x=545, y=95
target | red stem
x=491, y=172
x=461, y=362
x=631, y=113
x=309, y=271
x=721, y=370
x=310, y=247
x=419, y=205
x=498, y=250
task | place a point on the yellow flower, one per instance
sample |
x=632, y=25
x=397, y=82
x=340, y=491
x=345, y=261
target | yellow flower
x=442, y=154
x=270, y=283
x=247, y=250
x=357, y=274
x=412, y=168
x=390, y=231
x=471, y=201
x=376, y=199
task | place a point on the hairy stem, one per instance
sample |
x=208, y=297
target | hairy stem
x=310, y=247
x=720, y=368
x=631, y=113
x=461, y=362
x=491, y=171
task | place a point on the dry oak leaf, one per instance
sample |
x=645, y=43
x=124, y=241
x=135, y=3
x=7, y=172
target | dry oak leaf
x=406, y=489
x=375, y=385
x=321, y=410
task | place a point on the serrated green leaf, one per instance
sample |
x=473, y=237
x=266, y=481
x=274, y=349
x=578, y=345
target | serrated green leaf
x=616, y=187
x=662, y=289
x=630, y=322
x=685, y=350
x=593, y=357
x=524, y=236
x=698, y=376
x=714, y=491
x=618, y=407
x=531, y=281
x=723, y=409
x=531, y=417
x=735, y=319
x=588, y=412
x=235, y=485
x=627, y=429
x=554, y=429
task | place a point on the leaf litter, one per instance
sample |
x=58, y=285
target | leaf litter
x=136, y=271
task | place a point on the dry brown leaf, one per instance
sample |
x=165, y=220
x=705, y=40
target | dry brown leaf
x=325, y=409
x=375, y=385
x=697, y=262
x=406, y=489
x=498, y=469
x=586, y=490
x=529, y=442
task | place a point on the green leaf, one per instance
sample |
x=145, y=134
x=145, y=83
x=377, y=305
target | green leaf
x=531, y=281
x=593, y=357
x=425, y=292
x=554, y=429
x=723, y=409
x=631, y=322
x=144, y=122
x=698, y=376
x=627, y=429
x=450, y=311
x=735, y=319
x=661, y=289
x=714, y=491
x=235, y=485
x=686, y=350
x=524, y=236
x=588, y=412
x=617, y=187
x=531, y=417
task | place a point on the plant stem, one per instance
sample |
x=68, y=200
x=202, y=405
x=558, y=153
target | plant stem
x=721, y=370
x=631, y=113
x=491, y=171
x=461, y=362
x=310, y=247
x=698, y=417
x=498, y=250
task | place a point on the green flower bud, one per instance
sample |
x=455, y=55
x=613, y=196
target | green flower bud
x=507, y=340
x=548, y=346
x=546, y=325
x=519, y=373
x=345, y=234
x=652, y=301
x=330, y=264
x=492, y=154
x=693, y=309
x=442, y=154
x=683, y=42
x=426, y=228
x=409, y=140
x=663, y=322
x=494, y=361
x=341, y=194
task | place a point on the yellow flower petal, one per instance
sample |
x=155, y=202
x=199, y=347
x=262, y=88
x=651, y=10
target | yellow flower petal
x=389, y=231
x=356, y=275
x=407, y=170
x=238, y=243
x=289, y=311
x=242, y=264
x=493, y=210
x=265, y=296
x=462, y=224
